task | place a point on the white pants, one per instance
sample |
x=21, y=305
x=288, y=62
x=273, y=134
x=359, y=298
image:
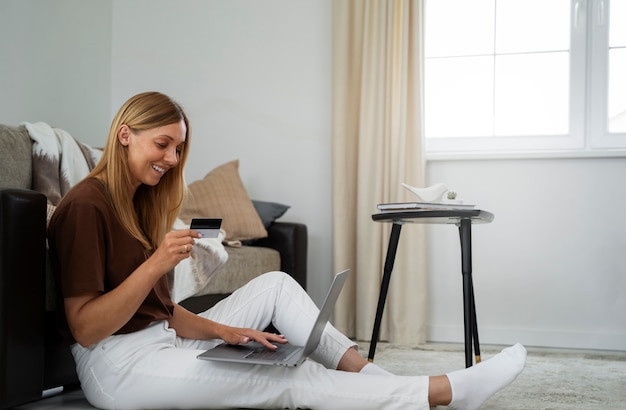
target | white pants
x=155, y=369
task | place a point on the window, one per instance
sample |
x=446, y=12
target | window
x=532, y=76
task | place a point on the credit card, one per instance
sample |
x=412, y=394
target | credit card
x=207, y=227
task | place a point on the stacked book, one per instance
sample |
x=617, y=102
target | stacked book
x=421, y=206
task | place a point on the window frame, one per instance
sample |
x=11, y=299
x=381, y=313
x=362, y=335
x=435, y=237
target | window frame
x=588, y=134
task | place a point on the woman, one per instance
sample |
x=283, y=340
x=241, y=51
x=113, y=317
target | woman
x=112, y=246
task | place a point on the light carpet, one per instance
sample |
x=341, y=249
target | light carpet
x=552, y=379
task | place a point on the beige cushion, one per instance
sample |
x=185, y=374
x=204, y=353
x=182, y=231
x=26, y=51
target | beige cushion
x=221, y=194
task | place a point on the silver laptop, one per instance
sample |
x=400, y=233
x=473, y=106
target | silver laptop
x=286, y=354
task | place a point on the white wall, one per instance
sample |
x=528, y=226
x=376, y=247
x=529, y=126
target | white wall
x=255, y=78
x=550, y=270
x=52, y=69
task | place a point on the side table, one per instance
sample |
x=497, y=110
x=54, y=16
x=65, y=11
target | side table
x=463, y=218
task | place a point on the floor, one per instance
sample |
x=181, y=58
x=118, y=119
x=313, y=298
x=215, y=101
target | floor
x=553, y=378
x=74, y=400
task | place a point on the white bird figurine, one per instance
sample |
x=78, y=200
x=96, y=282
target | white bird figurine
x=432, y=193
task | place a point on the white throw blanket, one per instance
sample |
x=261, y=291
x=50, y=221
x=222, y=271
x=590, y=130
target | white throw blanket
x=59, y=161
x=193, y=275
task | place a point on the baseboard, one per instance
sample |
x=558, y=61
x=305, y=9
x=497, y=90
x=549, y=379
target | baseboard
x=558, y=338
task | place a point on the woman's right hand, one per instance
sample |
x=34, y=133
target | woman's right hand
x=175, y=247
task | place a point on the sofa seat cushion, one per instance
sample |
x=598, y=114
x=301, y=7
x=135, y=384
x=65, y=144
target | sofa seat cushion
x=16, y=152
x=244, y=264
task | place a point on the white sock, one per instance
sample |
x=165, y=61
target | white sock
x=472, y=386
x=373, y=369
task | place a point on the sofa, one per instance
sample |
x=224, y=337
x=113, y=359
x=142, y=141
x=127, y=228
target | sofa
x=32, y=359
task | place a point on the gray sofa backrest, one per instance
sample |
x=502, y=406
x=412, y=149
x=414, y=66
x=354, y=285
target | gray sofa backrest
x=15, y=157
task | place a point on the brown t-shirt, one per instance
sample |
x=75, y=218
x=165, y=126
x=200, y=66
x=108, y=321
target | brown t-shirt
x=90, y=250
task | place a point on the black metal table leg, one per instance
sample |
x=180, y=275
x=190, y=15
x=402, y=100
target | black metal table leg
x=389, y=260
x=474, y=323
x=469, y=308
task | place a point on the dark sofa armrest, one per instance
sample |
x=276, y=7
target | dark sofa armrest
x=290, y=239
x=22, y=295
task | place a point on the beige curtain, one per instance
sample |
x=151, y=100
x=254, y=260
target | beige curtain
x=377, y=144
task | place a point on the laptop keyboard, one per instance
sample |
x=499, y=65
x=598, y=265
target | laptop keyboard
x=266, y=354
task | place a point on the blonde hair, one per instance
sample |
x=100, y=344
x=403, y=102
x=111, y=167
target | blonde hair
x=150, y=213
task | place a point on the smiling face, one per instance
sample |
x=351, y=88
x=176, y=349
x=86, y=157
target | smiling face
x=152, y=152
